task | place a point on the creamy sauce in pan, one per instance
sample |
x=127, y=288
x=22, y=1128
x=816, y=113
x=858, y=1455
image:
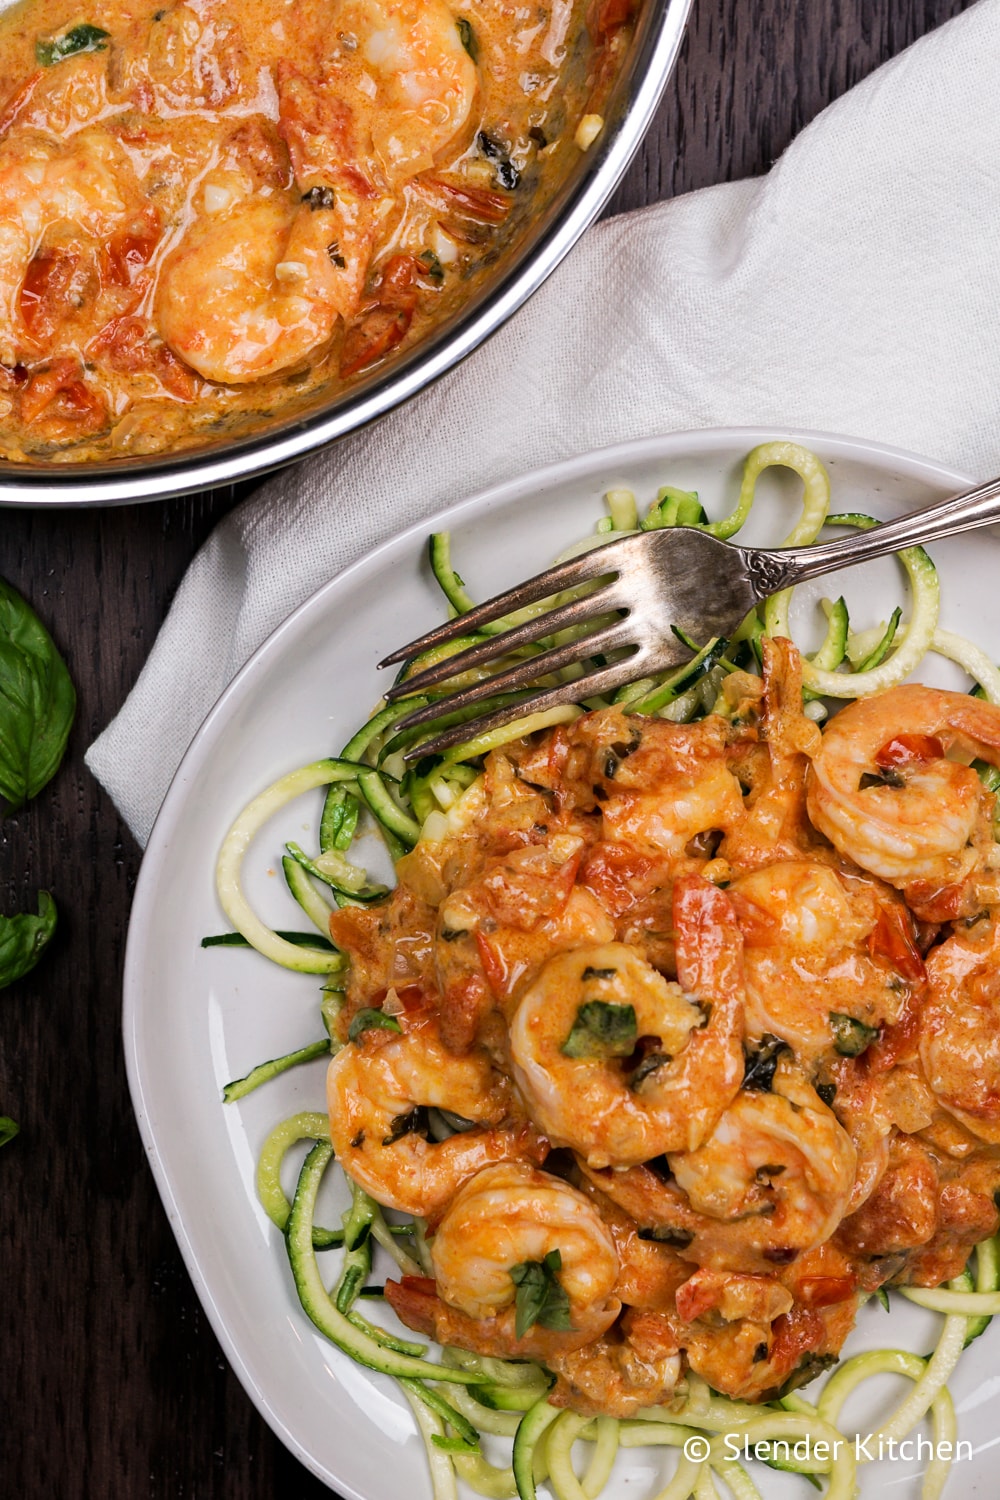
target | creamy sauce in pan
x=212, y=210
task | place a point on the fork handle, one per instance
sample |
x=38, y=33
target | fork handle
x=781, y=569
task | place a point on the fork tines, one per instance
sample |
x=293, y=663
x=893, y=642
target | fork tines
x=542, y=586
x=595, y=608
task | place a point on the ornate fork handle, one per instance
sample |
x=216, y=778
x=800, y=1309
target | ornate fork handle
x=770, y=571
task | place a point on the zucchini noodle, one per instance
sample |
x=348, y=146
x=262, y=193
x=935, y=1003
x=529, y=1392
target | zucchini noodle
x=467, y=1396
x=228, y=870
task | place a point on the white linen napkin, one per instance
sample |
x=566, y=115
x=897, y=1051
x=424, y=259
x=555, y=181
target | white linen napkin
x=854, y=289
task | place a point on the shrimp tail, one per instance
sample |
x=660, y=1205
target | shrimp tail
x=710, y=969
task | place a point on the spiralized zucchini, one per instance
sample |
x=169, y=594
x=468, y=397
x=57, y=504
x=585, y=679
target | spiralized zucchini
x=464, y=1397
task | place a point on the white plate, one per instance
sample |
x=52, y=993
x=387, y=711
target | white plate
x=195, y=1018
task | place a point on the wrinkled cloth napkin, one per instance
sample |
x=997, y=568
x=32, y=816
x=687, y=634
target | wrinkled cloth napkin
x=854, y=289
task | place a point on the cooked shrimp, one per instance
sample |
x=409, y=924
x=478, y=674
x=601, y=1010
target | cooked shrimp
x=960, y=1026
x=622, y=1065
x=44, y=185
x=809, y=937
x=662, y=785
x=375, y=1089
x=259, y=284
x=252, y=288
x=649, y=1273
x=774, y=824
x=414, y=81
x=520, y=910
x=889, y=788
x=775, y=1176
x=621, y=1373
x=512, y=1215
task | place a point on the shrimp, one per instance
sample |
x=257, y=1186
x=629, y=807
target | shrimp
x=520, y=910
x=889, y=790
x=959, y=1037
x=252, y=288
x=774, y=824
x=376, y=1088
x=660, y=785
x=410, y=81
x=622, y=1372
x=811, y=950
x=259, y=284
x=775, y=1176
x=920, y=1225
x=674, y=1058
x=45, y=185
x=512, y=1215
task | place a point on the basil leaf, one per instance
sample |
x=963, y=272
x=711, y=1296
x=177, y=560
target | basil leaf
x=23, y=937
x=850, y=1037
x=82, y=38
x=416, y=1122
x=37, y=701
x=540, y=1297
x=759, y=1065
x=601, y=1030
x=371, y=1020
x=468, y=37
x=8, y=1129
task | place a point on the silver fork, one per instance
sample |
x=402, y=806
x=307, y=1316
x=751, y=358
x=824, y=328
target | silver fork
x=655, y=583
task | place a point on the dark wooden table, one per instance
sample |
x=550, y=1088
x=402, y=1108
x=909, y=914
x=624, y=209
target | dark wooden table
x=114, y=1386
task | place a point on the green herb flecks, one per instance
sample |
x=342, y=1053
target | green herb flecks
x=23, y=938
x=541, y=1298
x=601, y=1030
x=371, y=1020
x=432, y=267
x=468, y=37
x=761, y=1062
x=850, y=1037
x=82, y=38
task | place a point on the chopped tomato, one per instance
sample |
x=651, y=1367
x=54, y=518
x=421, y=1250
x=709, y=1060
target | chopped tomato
x=906, y=749
x=59, y=393
x=894, y=937
x=132, y=247
x=823, y=1291
x=59, y=281
x=128, y=348
x=415, y=1302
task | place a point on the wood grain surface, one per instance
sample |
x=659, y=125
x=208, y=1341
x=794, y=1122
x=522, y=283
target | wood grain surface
x=115, y=1388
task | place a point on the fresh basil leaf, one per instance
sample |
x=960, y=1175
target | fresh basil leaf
x=37, y=701
x=540, y=1298
x=415, y=1123
x=601, y=1030
x=8, y=1129
x=371, y=1020
x=468, y=37
x=23, y=937
x=759, y=1064
x=850, y=1037
x=82, y=38
x=650, y=1064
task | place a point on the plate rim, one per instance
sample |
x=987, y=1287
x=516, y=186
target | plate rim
x=689, y=443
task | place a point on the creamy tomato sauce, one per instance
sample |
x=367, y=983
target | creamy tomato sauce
x=217, y=209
